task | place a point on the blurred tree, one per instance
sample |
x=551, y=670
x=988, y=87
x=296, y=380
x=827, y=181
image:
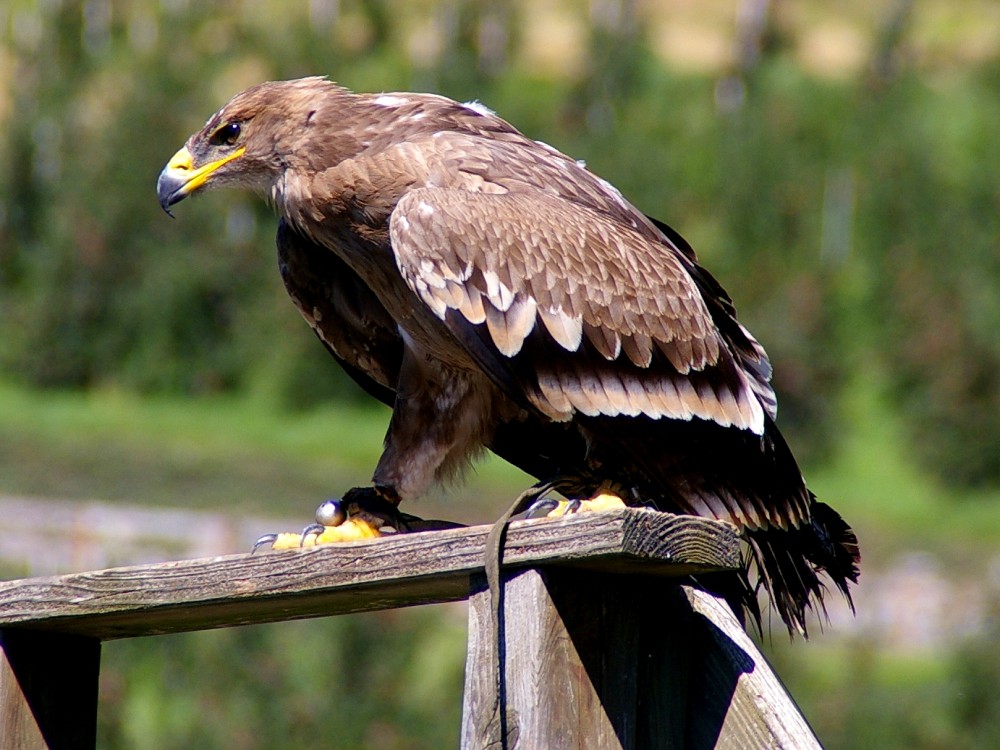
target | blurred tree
x=929, y=226
x=615, y=60
x=478, y=38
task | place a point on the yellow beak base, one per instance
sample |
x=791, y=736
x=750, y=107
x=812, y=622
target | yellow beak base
x=180, y=177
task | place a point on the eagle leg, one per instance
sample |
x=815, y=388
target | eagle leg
x=379, y=506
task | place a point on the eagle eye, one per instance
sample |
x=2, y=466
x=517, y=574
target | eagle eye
x=226, y=135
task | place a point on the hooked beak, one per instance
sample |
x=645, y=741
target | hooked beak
x=181, y=177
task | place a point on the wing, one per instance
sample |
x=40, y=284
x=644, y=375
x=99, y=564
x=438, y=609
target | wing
x=356, y=329
x=344, y=313
x=570, y=310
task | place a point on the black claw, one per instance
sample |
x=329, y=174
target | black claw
x=370, y=500
x=375, y=503
x=313, y=529
x=573, y=506
x=540, y=508
x=264, y=541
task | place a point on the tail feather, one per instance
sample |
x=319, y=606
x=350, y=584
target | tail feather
x=841, y=554
x=789, y=564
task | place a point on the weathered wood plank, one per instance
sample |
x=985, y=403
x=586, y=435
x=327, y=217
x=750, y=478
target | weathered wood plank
x=569, y=663
x=620, y=663
x=48, y=691
x=375, y=574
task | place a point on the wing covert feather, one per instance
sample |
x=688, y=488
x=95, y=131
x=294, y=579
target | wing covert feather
x=591, y=315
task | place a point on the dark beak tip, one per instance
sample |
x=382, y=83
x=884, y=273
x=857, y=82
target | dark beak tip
x=168, y=193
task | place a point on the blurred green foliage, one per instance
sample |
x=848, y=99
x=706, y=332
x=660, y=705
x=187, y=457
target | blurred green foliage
x=855, y=220
x=391, y=681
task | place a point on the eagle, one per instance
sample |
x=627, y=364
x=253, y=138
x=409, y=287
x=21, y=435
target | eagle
x=500, y=296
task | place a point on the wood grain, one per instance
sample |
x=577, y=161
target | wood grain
x=569, y=640
x=395, y=571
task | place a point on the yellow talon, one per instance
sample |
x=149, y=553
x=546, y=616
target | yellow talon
x=599, y=502
x=560, y=510
x=350, y=530
x=603, y=501
x=286, y=540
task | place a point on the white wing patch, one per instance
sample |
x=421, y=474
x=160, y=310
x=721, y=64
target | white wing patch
x=511, y=327
x=479, y=108
x=615, y=393
x=497, y=292
x=389, y=100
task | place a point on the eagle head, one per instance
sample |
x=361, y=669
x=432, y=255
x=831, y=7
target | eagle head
x=248, y=143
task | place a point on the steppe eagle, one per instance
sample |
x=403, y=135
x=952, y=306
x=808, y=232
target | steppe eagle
x=498, y=295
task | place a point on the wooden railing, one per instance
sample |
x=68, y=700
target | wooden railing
x=602, y=644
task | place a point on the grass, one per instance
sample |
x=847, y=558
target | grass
x=208, y=452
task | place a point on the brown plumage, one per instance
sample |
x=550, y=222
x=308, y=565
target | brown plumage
x=499, y=295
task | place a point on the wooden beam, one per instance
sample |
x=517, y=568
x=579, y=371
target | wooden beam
x=392, y=571
x=48, y=690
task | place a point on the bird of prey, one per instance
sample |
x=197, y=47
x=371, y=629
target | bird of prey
x=498, y=295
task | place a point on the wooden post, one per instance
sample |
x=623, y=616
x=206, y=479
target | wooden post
x=609, y=662
x=48, y=690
